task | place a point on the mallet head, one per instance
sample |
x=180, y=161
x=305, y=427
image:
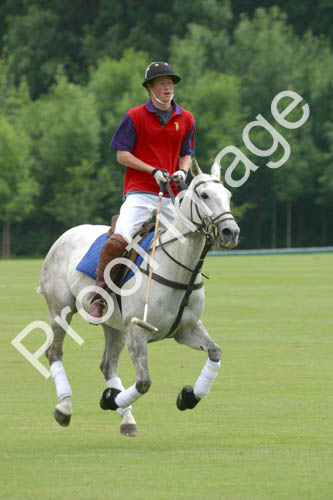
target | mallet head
x=144, y=324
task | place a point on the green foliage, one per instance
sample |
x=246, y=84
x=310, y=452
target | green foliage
x=117, y=86
x=33, y=44
x=326, y=172
x=65, y=130
x=302, y=14
x=215, y=102
x=12, y=98
x=85, y=71
x=265, y=54
x=270, y=58
x=65, y=126
x=205, y=42
x=39, y=35
x=74, y=204
x=17, y=187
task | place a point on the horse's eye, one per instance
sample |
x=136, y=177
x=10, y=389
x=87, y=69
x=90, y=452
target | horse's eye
x=204, y=196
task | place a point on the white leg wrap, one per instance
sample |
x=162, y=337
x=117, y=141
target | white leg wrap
x=60, y=379
x=206, y=378
x=127, y=397
x=116, y=383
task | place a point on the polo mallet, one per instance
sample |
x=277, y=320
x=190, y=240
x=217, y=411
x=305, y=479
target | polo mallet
x=143, y=322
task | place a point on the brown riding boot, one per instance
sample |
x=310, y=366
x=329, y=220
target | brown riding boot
x=114, y=247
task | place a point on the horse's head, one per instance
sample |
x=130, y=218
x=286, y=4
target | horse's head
x=207, y=205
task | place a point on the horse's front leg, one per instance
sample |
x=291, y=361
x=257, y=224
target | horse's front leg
x=114, y=398
x=198, y=338
x=114, y=344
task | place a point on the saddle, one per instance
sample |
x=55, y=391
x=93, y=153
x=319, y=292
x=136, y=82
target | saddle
x=123, y=270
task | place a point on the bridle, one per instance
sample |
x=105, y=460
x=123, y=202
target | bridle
x=208, y=224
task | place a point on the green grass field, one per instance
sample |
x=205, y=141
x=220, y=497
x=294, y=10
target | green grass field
x=264, y=432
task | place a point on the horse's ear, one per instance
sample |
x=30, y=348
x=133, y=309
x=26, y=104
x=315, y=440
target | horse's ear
x=216, y=170
x=195, y=169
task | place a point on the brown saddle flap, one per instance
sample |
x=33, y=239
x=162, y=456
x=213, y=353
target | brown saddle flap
x=113, y=224
x=131, y=255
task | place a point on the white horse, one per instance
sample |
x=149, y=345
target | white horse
x=176, y=299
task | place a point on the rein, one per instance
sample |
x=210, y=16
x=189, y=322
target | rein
x=162, y=246
x=207, y=226
x=191, y=286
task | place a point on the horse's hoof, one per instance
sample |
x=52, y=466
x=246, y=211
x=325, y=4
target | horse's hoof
x=129, y=430
x=61, y=418
x=180, y=403
x=186, y=399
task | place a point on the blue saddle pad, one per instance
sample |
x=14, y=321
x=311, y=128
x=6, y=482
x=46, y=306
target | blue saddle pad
x=89, y=262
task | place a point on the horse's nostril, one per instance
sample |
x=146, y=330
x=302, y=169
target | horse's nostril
x=226, y=232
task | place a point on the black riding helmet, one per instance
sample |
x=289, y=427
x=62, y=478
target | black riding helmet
x=159, y=68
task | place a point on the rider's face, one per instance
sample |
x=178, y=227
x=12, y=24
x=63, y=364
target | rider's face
x=163, y=87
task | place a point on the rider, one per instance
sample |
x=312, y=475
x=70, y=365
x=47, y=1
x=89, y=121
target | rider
x=154, y=142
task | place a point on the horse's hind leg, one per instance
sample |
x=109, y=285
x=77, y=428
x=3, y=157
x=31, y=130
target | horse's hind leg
x=63, y=409
x=198, y=338
x=114, y=399
x=114, y=344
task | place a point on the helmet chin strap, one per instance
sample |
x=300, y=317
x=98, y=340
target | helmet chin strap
x=159, y=100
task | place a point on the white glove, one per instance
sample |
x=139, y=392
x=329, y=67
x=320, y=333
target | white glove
x=160, y=176
x=179, y=176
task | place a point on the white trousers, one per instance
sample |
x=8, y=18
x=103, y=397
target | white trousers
x=137, y=209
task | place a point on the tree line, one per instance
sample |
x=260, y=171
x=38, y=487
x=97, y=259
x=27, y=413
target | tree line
x=66, y=81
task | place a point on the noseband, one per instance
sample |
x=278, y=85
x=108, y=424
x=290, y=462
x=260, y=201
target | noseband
x=208, y=224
